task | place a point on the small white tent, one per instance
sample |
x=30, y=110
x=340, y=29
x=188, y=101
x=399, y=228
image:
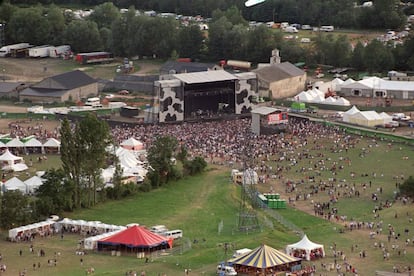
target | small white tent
x=329, y=100
x=9, y=159
x=310, y=248
x=14, y=184
x=387, y=118
x=303, y=97
x=52, y=145
x=366, y=118
x=33, y=183
x=336, y=84
x=15, y=143
x=33, y=145
x=349, y=113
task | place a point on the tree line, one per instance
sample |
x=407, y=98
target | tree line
x=384, y=14
x=229, y=37
x=78, y=184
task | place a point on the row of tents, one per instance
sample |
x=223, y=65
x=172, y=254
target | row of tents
x=368, y=118
x=317, y=96
x=29, y=186
x=32, y=143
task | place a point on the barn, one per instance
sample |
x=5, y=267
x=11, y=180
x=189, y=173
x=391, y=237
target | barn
x=201, y=95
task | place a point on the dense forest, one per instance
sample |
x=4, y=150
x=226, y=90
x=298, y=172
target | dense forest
x=228, y=37
x=384, y=14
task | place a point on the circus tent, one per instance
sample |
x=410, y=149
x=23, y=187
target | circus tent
x=265, y=259
x=135, y=239
x=310, y=249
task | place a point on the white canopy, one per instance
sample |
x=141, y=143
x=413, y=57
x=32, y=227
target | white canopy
x=303, y=97
x=306, y=245
x=52, y=143
x=10, y=158
x=34, y=143
x=342, y=101
x=33, y=183
x=349, y=113
x=14, y=184
x=2, y=145
x=386, y=117
x=13, y=233
x=132, y=144
x=329, y=100
x=15, y=143
x=18, y=167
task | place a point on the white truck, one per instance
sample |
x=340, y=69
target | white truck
x=5, y=51
x=40, y=51
x=59, y=51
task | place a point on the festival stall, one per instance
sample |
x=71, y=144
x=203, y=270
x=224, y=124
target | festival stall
x=52, y=146
x=26, y=232
x=33, y=146
x=265, y=260
x=33, y=183
x=306, y=249
x=15, y=184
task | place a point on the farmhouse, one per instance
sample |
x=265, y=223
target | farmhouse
x=281, y=80
x=70, y=86
x=375, y=87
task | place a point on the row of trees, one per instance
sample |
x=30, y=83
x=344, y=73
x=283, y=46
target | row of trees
x=229, y=37
x=78, y=183
x=384, y=13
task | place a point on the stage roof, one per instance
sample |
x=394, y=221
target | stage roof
x=207, y=76
x=264, y=110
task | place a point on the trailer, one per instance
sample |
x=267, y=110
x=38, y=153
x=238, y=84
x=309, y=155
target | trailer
x=6, y=50
x=40, y=51
x=94, y=57
x=60, y=51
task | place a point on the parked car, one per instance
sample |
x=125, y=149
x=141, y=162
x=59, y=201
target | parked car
x=392, y=124
x=226, y=270
x=400, y=117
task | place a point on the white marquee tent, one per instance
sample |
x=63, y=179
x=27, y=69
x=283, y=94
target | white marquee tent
x=342, y=101
x=366, y=118
x=305, y=245
x=52, y=144
x=349, y=113
x=33, y=144
x=387, y=118
x=33, y=183
x=8, y=158
x=15, y=232
x=14, y=184
x=15, y=143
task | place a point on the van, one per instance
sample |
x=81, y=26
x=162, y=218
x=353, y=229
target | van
x=158, y=229
x=327, y=28
x=291, y=29
x=223, y=270
x=95, y=101
x=175, y=234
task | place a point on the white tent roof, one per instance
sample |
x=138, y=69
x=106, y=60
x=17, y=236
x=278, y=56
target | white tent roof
x=370, y=115
x=19, y=167
x=353, y=110
x=330, y=100
x=8, y=156
x=15, y=143
x=348, y=81
x=343, y=101
x=52, y=143
x=131, y=142
x=303, y=97
x=33, y=183
x=305, y=244
x=15, y=184
x=2, y=145
x=318, y=99
x=337, y=81
x=33, y=143
x=318, y=92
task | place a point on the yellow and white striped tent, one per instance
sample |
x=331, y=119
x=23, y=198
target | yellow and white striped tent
x=264, y=258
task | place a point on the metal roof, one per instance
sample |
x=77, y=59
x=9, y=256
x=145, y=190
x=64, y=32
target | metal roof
x=264, y=110
x=207, y=76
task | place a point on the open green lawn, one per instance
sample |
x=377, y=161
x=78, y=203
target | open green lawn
x=197, y=205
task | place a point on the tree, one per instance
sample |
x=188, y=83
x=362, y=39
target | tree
x=29, y=25
x=14, y=210
x=195, y=166
x=357, y=57
x=190, y=42
x=83, y=36
x=94, y=138
x=407, y=188
x=159, y=157
x=57, y=24
x=6, y=11
x=71, y=156
x=103, y=15
x=55, y=195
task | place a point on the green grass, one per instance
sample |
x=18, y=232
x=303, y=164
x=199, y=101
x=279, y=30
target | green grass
x=198, y=204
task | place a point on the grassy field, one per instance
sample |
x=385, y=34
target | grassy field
x=199, y=204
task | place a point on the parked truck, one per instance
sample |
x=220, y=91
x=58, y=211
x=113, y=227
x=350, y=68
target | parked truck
x=60, y=51
x=7, y=50
x=94, y=57
x=40, y=51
